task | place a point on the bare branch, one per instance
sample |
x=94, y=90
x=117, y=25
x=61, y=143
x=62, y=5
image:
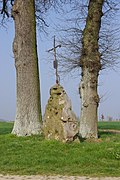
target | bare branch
x=71, y=36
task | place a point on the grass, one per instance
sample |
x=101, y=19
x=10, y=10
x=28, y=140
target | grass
x=34, y=155
x=109, y=125
x=5, y=127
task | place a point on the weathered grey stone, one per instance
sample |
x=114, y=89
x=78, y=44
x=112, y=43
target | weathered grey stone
x=59, y=121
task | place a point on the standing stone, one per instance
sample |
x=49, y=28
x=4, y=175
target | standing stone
x=59, y=121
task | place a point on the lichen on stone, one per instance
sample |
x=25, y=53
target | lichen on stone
x=59, y=120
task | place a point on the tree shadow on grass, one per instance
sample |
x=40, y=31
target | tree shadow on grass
x=6, y=128
x=107, y=133
x=5, y=131
x=100, y=133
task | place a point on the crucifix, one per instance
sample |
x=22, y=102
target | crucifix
x=55, y=62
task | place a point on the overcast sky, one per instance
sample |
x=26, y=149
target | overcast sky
x=109, y=81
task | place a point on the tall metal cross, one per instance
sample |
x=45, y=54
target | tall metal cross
x=55, y=62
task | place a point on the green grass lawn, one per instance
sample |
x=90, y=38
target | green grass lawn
x=5, y=127
x=109, y=125
x=34, y=155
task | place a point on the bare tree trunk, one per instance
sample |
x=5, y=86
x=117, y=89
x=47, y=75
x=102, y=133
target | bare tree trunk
x=90, y=64
x=28, y=110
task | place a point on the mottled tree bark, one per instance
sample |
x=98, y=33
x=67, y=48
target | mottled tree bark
x=90, y=65
x=28, y=110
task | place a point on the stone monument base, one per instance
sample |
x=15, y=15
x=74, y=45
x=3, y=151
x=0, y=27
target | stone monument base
x=60, y=122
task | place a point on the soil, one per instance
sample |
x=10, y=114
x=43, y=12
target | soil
x=59, y=177
x=110, y=131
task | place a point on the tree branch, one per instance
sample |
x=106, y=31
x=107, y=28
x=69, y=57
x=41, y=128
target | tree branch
x=4, y=8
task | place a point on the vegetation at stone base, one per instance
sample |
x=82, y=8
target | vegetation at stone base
x=109, y=125
x=34, y=155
